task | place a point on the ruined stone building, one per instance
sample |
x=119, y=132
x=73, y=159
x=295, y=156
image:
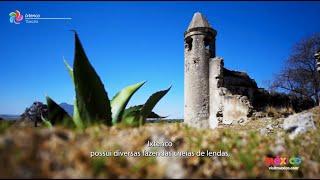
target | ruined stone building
x=215, y=95
x=317, y=57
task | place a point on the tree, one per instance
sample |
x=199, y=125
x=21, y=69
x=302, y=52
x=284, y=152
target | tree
x=299, y=75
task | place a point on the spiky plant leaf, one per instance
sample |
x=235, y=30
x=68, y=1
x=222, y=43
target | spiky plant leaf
x=155, y=115
x=121, y=99
x=46, y=122
x=133, y=118
x=92, y=100
x=76, y=118
x=152, y=101
x=138, y=107
x=69, y=68
x=56, y=114
x=130, y=109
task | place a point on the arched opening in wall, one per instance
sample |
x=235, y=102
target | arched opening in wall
x=208, y=46
x=188, y=43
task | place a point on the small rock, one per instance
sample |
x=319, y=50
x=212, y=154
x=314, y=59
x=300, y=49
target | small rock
x=279, y=146
x=241, y=121
x=269, y=127
x=259, y=114
x=298, y=123
x=227, y=121
x=266, y=130
x=263, y=131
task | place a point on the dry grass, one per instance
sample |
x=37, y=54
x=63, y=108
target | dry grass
x=278, y=112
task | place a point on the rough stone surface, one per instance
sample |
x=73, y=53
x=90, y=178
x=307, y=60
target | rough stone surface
x=235, y=109
x=317, y=56
x=198, y=20
x=199, y=47
x=298, y=123
x=266, y=130
x=228, y=103
x=215, y=82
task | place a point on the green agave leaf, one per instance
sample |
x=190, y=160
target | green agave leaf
x=138, y=107
x=121, y=99
x=56, y=114
x=130, y=109
x=76, y=118
x=69, y=68
x=133, y=117
x=46, y=123
x=155, y=115
x=92, y=100
x=152, y=101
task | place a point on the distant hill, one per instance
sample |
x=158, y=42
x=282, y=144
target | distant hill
x=67, y=107
x=9, y=117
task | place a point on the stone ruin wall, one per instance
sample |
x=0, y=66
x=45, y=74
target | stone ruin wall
x=229, y=96
x=234, y=96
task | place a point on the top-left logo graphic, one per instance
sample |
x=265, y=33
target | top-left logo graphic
x=15, y=17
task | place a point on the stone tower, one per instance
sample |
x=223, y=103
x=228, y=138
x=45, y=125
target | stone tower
x=199, y=40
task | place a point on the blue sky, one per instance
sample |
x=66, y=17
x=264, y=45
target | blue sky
x=136, y=41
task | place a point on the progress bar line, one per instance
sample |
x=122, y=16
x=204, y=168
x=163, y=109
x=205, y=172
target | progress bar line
x=50, y=18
